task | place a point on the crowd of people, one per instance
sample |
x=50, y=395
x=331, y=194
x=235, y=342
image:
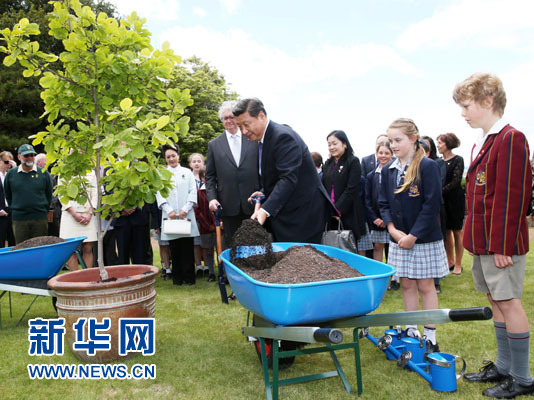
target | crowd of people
x=404, y=204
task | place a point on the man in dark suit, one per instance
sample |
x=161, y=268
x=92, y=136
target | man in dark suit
x=231, y=173
x=369, y=163
x=6, y=231
x=296, y=201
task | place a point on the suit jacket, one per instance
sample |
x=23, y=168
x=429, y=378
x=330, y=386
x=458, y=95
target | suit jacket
x=3, y=205
x=416, y=210
x=225, y=181
x=296, y=199
x=368, y=164
x=345, y=176
x=498, y=189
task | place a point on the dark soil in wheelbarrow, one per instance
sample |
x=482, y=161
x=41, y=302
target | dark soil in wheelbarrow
x=298, y=264
x=37, y=241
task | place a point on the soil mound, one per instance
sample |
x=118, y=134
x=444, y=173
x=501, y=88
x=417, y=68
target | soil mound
x=37, y=241
x=298, y=264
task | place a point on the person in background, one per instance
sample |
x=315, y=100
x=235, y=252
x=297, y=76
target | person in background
x=370, y=162
x=6, y=228
x=179, y=205
x=431, y=152
x=54, y=215
x=342, y=179
x=28, y=191
x=318, y=161
x=79, y=220
x=409, y=200
x=498, y=187
x=231, y=173
x=379, y=234
x=454, y=198
x=205, y=220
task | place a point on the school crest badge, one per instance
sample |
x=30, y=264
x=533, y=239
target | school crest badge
x=413, y=191
x=480, y=179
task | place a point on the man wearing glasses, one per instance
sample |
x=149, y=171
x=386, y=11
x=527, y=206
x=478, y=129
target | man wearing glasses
x=28, y=191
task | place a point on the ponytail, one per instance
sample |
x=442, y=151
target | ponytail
x=413, y=172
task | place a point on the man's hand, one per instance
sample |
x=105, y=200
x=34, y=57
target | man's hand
x=251, y=198
x=213, y=205
x=3, y=213
x=378, y=222
x=502, y=261
x=259, y=215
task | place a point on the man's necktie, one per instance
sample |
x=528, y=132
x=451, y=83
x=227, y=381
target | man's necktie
x=260, y=151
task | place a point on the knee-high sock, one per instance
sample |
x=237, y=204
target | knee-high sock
x=519, y=349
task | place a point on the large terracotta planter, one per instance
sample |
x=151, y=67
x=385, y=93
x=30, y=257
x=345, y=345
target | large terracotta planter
x=129, y=293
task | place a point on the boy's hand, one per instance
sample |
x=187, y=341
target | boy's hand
x=502, y=261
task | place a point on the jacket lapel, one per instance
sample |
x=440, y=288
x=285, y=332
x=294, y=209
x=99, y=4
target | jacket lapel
x=226, y=149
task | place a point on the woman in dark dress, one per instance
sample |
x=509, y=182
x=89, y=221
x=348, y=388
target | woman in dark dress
x=342, y=179
x=454, y=197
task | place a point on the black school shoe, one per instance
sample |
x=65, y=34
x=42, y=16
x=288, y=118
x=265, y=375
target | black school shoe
x=508, y=389
x=394, y=285
x=488, y=373
x=431, y=348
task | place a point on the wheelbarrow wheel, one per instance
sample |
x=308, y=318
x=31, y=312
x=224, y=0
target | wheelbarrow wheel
x=285, y=345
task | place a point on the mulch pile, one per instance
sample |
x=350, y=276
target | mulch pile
x=37, y=241
x=298, y=264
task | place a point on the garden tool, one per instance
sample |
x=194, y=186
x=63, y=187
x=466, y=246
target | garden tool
x=222, y=286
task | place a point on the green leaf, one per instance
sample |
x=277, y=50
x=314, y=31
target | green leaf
x=162, y=121
x=138, y=151
x=72, y=190
x=27, y=73
x=126, y=104
x=134, y=179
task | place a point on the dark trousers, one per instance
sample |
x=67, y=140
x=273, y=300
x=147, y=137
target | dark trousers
x=6, y=232
x=25, y=230
x=130, y=243
x=231, y=225
x=183, y=260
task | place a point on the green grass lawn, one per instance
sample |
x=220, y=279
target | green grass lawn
x=201, y=353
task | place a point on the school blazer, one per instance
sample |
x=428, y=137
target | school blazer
x=498, y=190
x=416, y=210
x=372, y=191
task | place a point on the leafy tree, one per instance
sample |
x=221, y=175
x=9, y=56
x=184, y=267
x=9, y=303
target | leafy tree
x=20, y=101
x=208, y=90
x=106, y=106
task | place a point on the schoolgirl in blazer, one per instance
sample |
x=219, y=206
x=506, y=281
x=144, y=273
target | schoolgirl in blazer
x=415, y=210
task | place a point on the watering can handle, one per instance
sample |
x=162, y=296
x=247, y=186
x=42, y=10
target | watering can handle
x=458, y=376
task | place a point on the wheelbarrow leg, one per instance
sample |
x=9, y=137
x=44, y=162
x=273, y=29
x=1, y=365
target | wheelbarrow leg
x=340, y=372
x=356, y=342
x=265, y=366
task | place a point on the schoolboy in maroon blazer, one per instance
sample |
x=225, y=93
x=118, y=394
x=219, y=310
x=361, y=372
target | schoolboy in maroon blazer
x=498, y=190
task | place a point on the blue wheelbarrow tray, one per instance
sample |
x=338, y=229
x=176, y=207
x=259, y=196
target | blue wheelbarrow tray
x=304, y=303
x=41, y=262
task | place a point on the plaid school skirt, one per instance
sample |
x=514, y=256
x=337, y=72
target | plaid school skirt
x=380, y=236
x=364, y=242
x=422, y=261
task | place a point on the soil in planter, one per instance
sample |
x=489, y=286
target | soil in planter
x=298, y=264
x=37, y=241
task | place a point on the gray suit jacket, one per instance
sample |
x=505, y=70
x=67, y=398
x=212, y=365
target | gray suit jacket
x=225, y=181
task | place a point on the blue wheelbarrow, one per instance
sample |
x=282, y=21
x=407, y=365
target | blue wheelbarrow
x=288, y=316
x=28, y=270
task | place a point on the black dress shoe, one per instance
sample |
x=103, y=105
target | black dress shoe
x=488, y=373
x=431, y=348
x=438, y=288
x=394, y=285
x=211, y=278
x=508, y=389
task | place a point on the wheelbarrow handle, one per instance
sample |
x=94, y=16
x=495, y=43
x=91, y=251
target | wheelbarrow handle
x=470, y=314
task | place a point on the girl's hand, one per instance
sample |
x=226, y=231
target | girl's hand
x=396, y=234
x=407, y=241
x=378, y=222
x=173, y=215
x=182, y=214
